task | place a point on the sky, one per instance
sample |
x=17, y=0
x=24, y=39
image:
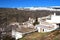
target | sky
x=28, y=3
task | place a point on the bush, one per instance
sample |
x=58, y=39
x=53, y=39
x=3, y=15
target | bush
x=36, y=22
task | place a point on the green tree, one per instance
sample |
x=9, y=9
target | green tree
x=36, y=22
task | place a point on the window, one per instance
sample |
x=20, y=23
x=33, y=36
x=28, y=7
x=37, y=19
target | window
x=43, y=30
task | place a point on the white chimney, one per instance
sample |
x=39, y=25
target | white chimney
x=54, y=14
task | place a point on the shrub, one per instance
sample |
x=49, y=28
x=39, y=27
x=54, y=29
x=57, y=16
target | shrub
x=36, y=22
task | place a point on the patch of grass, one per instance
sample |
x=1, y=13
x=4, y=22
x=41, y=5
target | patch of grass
x=34, y=36
x=57, y=37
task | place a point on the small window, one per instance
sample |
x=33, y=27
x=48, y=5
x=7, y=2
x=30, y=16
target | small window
x=43, y=29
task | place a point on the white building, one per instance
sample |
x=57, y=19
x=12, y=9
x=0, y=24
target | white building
x=31, y=20
x=19, y=30
x=51, y=21
x=16, y=34
x=46, y=28
x=54, y=19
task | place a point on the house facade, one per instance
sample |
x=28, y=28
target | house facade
x=16, y=34
x=19, y=30
x=54, y=19
x=49, y=23
x=46, y=28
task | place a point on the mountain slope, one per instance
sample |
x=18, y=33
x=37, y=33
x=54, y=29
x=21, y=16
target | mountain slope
x=13, y=14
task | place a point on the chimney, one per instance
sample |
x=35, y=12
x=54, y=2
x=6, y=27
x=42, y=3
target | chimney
x=54, y=14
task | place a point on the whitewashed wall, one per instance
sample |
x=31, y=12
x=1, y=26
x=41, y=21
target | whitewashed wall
x=16, y=35
x=47, y=29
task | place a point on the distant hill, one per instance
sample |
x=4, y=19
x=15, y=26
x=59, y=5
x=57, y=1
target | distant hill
x=13, y=14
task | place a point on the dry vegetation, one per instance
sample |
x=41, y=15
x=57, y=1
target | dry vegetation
x=55, y=35
x=14, y=14
x=34, y=36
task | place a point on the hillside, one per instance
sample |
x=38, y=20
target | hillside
x=13, y=14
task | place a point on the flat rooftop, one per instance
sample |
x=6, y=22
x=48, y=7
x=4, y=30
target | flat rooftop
x=25, y=30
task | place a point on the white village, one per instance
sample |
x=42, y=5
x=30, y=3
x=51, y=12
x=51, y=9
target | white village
x=29, y=19
x=30, y=23
x=46, y=24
